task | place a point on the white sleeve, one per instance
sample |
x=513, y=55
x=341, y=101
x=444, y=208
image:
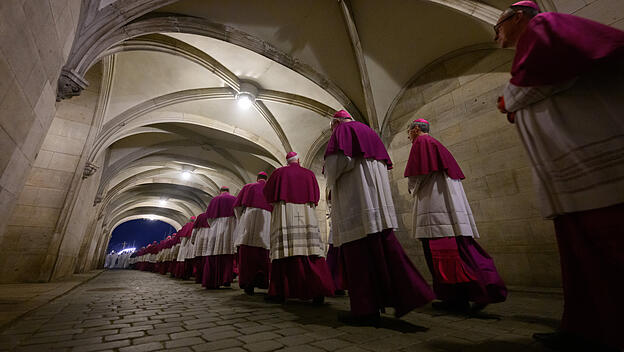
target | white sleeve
x=414, y=182
x=517, y=98
x=238, y=211
x=193, y=235
x=336, y=165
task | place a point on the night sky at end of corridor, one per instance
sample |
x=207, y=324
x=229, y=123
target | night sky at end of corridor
x=138, y=233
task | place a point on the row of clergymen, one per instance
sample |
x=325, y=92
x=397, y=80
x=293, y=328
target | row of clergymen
x=271, y=230
x=117, y=260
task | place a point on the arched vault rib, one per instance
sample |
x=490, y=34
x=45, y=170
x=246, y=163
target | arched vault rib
x=175, y=216
x=208, y=143
x=147, y=178
x=186, y=199
x=166, y=44
x=319, y=142
x=148, y=157
x=161, y=148
x=481, y=11
x=103, y=29
x=187, y=193
x=210, y=187
x=162, y=23
x=417, y=75
x=149, y=201
x=173, y=46
x=127, y=218
x=101, y=23
x=169, y=45
x=120, y=121
x=119, y=124
x=124, y=123
x=138, y=196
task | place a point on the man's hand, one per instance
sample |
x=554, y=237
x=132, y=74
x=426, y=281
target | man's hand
x=500, y=104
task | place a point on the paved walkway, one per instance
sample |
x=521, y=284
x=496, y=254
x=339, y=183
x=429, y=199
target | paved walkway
x=137, y=311
x=19, y=299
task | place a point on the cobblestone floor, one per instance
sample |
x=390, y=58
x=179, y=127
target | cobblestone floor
x=138, y=311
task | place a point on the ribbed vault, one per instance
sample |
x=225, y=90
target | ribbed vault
x=170, y=131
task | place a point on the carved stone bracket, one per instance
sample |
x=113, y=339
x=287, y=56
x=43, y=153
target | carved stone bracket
x=98, y=199
x=89, y=170
x=70, y=84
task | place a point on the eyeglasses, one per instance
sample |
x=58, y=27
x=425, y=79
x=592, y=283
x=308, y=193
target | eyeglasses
x=499, y=24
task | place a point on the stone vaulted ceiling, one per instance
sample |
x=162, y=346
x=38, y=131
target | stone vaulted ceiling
x=172, y=69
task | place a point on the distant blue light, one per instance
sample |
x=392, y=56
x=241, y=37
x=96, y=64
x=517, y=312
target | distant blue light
x=138, y=233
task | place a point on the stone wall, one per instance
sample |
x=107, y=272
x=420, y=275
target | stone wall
x=81, y=214
x=609, y=12
x=321, y=209
x=39, y=240
x=458, y=96
x=35, y=40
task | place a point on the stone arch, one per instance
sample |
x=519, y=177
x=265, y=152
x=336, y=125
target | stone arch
x=114, y=132
x=147, y=193
x=418, y=75
x=478, y=10
x=145, y=177
x=316, y=146
x=157, y=154
x=127, y=218
x=173, y=46
x=457, y=94
x=174, y=216
x=193, y=25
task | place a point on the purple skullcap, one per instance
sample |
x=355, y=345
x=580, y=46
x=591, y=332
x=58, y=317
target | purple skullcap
x=342, y=114
x=527, y=3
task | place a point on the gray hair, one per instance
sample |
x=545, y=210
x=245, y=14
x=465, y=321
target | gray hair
x=424, y=127
x=528, y=11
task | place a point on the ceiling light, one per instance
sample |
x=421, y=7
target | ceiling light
x=246, y=95
x=186, y=175
x=162, y=202
x=244, y=101
x=151, y=217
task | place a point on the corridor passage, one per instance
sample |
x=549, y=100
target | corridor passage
x=126, y=310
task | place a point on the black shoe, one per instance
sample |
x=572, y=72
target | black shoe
x=340, y=293
x=227, y=284
x=452, y=306
x=477, y=307
x=318, y=301
x=365, y=320
x=249, y=291
x=274, y=299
